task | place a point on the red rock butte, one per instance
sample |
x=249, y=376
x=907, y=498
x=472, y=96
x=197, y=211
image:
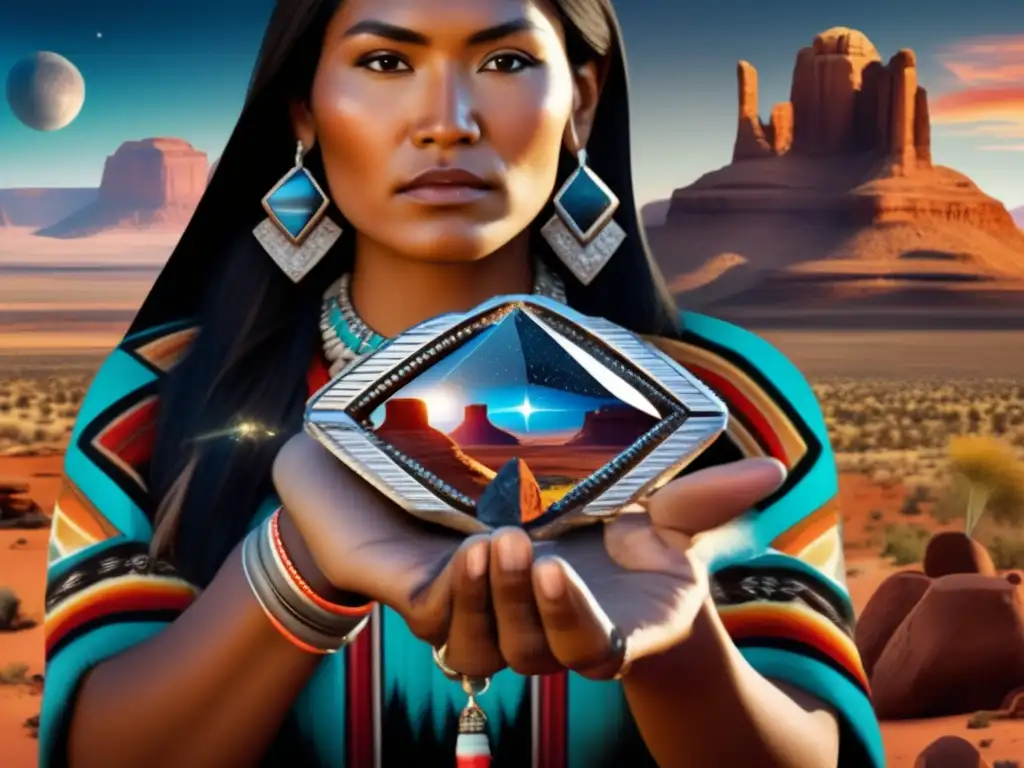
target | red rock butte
x=147, y=184
x=835, y=201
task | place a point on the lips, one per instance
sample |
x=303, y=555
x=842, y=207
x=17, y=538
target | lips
x=446, y=177
x=446, y=188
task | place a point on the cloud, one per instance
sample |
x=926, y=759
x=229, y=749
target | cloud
x=978, y=105
x=986, y=60
x=990, y=101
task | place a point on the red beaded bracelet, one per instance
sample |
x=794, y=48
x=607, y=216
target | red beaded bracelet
x=293, y=573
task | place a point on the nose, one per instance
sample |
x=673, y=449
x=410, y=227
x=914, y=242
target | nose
x=448, y=117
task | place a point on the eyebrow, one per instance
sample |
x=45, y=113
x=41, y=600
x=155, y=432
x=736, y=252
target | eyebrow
x=411, y=36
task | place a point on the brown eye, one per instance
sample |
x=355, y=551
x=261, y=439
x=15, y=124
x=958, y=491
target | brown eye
x=385, y=62
x=507, y=62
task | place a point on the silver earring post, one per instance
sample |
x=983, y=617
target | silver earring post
x=297, y=233
x=582, y=233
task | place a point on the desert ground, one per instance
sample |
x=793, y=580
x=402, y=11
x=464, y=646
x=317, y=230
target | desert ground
x=892, y=401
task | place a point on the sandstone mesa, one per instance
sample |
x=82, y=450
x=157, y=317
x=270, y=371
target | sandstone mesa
x=834, y=194
x=147, y=184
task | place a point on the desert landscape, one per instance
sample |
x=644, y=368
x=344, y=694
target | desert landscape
x=894, y=283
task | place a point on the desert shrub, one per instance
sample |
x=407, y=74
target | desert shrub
x=9, y=605
x=905, y=543
x=994, y=477
x=865, y=416
x=14, y=673
x=911, y=506
x=876, y=514
x=40, y=409
x=979, y=720
x=1007, y=552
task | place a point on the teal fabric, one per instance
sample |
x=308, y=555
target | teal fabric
x=597, y=711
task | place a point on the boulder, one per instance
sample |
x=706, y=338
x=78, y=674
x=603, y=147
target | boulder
x=960, y=650
x=890, y=604
x=954, y=552
x=950, y=752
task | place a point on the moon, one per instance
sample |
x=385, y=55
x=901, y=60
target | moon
x=45, y=91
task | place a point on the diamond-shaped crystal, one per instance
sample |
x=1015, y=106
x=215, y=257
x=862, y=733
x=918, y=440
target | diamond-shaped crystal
x=296, y=203
x=517, y=389
x=520, y=411
x=585, y=202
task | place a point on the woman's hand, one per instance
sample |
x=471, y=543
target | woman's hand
x=590, y=601
x=600, y=598
x=363, y=543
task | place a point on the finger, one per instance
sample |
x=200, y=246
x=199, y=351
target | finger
x=472, y=644
x=714, y=496
x=579, y=632
x=635, y=545
x=521, y=637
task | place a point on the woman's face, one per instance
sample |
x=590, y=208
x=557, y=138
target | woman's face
x=440, y=122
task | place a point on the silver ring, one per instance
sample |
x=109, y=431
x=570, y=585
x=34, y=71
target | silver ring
x=447, y=671
x=471, y=686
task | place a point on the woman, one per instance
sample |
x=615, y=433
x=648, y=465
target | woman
x=440, y=132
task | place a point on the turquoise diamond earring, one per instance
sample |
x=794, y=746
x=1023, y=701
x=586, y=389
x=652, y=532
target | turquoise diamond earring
x=296, y=233
x=582, y=233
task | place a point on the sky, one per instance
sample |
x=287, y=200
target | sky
x=180, y=68
x=534, y=383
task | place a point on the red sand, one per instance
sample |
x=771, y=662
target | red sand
x=23, y=566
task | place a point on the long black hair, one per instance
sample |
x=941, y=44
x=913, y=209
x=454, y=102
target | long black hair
x=259, y=330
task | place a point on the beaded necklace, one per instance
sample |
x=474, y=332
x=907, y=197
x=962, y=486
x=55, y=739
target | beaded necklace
x=346, y=337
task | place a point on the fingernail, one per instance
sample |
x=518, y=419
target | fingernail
x=551, y=581
x=476, y=561
x=510, y=556
x=783, y=469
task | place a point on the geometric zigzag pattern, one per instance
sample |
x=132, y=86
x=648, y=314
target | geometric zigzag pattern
x=111, y=579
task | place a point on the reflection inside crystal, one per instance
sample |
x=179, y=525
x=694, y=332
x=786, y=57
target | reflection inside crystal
x=517, y=389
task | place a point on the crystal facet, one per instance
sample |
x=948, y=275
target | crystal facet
x=585, y=203
x=517, y=389
x=296, y=204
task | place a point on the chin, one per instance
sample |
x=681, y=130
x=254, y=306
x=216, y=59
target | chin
x=454, y=241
